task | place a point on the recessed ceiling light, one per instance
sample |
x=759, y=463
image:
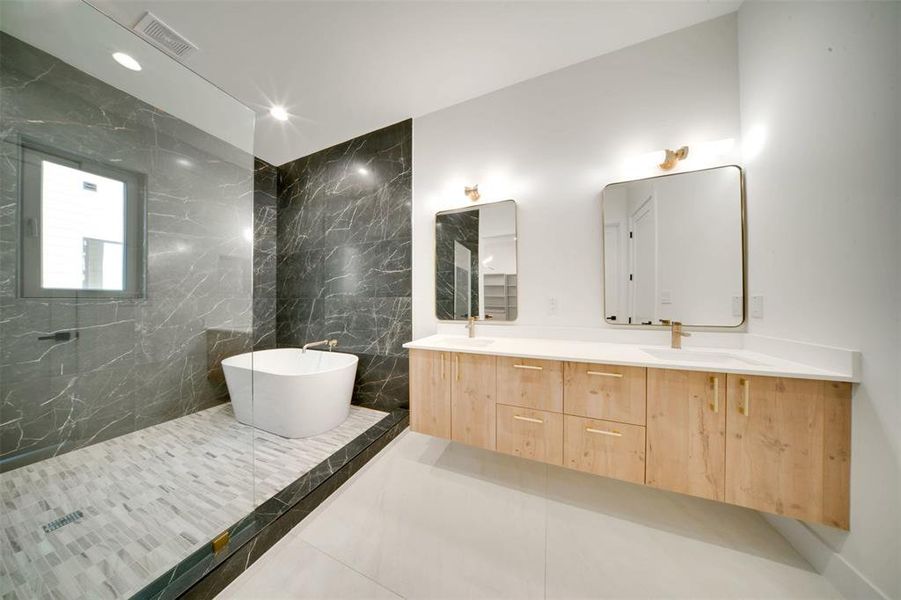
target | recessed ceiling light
x=126, y=61
x=278, y=113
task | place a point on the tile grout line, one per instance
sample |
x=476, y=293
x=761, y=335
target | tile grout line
x=352, y=568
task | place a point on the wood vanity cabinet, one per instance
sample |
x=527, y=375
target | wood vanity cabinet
x=609, y=392
x=530, y=383
x=604, y=448
x=430, y=393
x=788, y=447
x=473, y=389
x=687, y=432
x=529, y=433
x=772, y=444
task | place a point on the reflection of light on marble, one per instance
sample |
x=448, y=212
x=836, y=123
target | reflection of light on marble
x=248, y=234
x=363, y=171
x=184, y=162
x=752, y=144
x=181, y=247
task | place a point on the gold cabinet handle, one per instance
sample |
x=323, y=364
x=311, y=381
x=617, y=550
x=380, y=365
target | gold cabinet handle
x=604, y=374
x=528, y=419
x=528, y=367
x=443, y=356
x=603, y=432
x=457, y=366
x=745, y=407
x=715, y=405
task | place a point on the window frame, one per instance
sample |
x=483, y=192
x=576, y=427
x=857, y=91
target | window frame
x=31, y=155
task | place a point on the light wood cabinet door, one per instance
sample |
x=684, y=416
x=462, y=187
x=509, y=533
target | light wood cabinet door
x=430, y=393
x=529, y=433
x=608, y=392
x=788, y=447
x=687, y=432
x=473, y=390
x=604, y=448
x=530, y=383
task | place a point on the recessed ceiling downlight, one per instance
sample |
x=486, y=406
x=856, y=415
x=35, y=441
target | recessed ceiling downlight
x=278, y=113
x=126, y=61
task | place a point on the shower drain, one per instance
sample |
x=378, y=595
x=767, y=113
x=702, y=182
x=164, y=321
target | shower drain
x=72, y=517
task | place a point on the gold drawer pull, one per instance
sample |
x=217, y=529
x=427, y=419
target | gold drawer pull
x=603, y=432
x=715, y=405
x=745, y=407
x=529, y=419
x=443, y=357
x=457, y=366
x=604, y=374
x=529, y=367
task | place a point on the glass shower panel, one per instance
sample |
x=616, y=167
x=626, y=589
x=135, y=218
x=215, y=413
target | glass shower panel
x=126, y=277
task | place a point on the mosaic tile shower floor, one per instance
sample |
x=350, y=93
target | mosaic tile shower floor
x=146, y=501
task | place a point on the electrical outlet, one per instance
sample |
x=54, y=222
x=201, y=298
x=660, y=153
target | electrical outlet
x=737, y=306
x=757, y=307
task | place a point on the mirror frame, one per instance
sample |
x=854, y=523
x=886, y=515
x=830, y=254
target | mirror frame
x=744, y=253
x=475, y=206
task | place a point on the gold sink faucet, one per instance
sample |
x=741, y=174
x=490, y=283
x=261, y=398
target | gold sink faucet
x=471, y=326
x=677, y=333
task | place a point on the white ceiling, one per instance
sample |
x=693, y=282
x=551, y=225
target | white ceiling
x=346, y=68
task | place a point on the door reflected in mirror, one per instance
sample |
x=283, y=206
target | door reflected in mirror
x=674, y=249
x=475, y=263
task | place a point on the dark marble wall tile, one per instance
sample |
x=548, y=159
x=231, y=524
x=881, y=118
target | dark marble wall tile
x=265, y=204
x=136, y=362
x=344, y=256
x=462, y=227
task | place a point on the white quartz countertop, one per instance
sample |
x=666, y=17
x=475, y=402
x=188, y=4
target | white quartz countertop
x=739, y=361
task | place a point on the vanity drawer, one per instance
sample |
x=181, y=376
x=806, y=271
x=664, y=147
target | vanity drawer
x=612, y=393
x=530, y=383
x=533, y=434
x=604, y=448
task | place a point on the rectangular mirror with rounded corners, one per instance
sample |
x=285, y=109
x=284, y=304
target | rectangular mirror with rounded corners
x=475, y=263
x=674, y=249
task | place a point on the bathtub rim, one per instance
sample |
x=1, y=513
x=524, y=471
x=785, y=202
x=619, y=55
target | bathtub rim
x=231, y=362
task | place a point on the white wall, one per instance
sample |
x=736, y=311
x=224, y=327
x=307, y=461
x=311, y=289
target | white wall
x=820, y=119
x=821, y=137
x=552, y=143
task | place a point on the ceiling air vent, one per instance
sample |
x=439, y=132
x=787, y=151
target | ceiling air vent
x=163, y=36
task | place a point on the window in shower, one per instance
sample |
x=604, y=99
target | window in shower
x=82, y=227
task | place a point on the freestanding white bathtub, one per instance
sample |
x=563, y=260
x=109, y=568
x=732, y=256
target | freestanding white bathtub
x=289, y=392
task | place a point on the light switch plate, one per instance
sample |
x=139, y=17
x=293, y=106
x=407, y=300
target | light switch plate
x=757, y=307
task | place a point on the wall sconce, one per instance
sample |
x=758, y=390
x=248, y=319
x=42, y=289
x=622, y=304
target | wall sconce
x=673, y=157
x=472, y=192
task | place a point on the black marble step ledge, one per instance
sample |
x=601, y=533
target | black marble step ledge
x=204, y=574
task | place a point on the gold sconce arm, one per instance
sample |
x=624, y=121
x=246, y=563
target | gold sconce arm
x=673, y=157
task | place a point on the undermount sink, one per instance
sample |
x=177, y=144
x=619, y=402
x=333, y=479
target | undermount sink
x=467, y=342
x=702, y=356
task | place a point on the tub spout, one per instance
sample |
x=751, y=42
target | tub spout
x=330, y=343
